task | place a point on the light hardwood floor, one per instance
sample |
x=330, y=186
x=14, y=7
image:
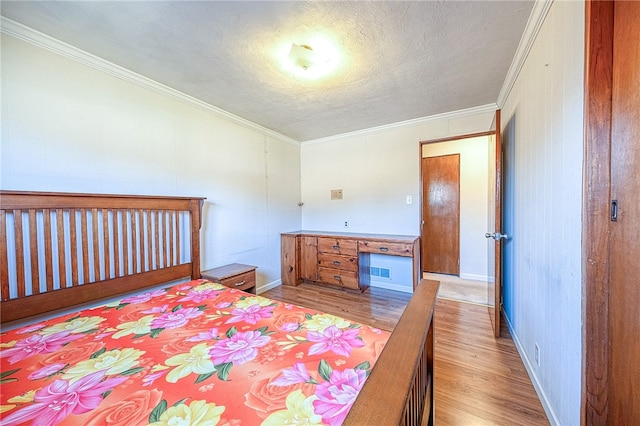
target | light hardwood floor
x=479, y=380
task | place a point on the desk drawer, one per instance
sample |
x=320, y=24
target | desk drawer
x=347, y=279
x=336, y=261
x=382, y=247
x=338, y=246
x=241, y=282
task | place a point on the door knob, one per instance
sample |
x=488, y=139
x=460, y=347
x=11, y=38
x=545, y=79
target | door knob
x=496, y=236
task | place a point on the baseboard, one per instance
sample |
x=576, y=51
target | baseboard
x=551, y=415
x=268, y=286
x=474, y=277
x=395, y=287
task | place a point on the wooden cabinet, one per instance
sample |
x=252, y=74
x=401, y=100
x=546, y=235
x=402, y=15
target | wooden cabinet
x=385, y=247
x=309, y=258
x=338, y=262
x=341, y=259
x=289, y=259
x=235, y=275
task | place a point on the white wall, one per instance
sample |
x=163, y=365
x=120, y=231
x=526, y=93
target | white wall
x=69, y=127
x=543, y=140
x=377, y=169
x=474, y=163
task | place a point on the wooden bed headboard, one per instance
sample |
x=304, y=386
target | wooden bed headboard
x=86, y=247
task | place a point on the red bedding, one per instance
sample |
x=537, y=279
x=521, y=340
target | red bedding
x=197, y=353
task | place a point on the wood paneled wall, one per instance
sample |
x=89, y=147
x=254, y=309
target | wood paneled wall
x=543, y=152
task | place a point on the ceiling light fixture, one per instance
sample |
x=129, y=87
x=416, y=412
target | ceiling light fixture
x=312, y=60
x=302, y=56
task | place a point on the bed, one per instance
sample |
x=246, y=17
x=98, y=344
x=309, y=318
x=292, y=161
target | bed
x=102, y=300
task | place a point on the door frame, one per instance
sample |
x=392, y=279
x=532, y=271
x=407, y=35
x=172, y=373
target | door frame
x=598, y=89
x=428, y=142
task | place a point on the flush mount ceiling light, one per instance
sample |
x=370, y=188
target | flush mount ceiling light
x=311, y=60
x=302, y=56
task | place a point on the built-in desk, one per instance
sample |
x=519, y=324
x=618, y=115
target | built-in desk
x=341, y=258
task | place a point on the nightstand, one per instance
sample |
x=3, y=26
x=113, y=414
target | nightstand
x=234, y=275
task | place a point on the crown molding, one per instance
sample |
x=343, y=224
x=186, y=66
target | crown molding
x=29, y=35
x=536, y=19
x=409, y=123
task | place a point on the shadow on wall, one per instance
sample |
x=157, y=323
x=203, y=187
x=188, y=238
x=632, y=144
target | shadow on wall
x=508, y=209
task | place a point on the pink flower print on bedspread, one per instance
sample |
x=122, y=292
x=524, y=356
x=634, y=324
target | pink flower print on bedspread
x=240, y=348
x=340, y=342
x=251, y=314
x=144, y=297
x=38, y=344
x=62, y=398
x=336, y=396
x=292, y=376
x=175, y=319
x=200, y=295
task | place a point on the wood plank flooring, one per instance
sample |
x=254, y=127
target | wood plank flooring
x=479, y=380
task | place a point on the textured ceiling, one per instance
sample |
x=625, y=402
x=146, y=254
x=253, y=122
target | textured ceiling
x=400, y=60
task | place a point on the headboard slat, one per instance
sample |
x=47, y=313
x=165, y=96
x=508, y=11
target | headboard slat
x=59, y=249
x=33, y=250
x=17, y=226
x=96, y=245
x=116, y=243
x=134, y=241
x=148, y=245
x=178, y=238
x=170, y=239
x=85, y=246
x=156, y=239
x=62, y=266
x=48, y=253
x=124, y=227
x=73, y=236
x=106, y=245
x=4, y=262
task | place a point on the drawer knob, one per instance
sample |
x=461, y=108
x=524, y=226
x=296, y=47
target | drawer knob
x=384, y=248
x=240, y=283
x=336, y=262
x=336, y=247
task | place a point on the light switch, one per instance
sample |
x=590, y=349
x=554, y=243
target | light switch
x=336, y=194
x=409, y=199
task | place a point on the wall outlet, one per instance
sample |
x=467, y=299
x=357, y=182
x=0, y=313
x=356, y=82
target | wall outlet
x=536, y=354
x=346, y=224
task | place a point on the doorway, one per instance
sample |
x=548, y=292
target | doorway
x=468, y=241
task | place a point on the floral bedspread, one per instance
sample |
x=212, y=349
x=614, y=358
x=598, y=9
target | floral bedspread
x=195, y=354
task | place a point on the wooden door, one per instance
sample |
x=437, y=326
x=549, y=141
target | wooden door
x=441, y=214
x=624, y=256
x=611, y=217
x=494, y=233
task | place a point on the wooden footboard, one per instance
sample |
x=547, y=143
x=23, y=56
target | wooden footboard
x=62, y=249
x=400, y=388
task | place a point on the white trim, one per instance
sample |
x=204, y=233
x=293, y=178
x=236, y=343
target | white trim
x=474, y=277
x=536, y=19
x=268, y=286
x=544, y=400
x=51, y=44
x=408, y=123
